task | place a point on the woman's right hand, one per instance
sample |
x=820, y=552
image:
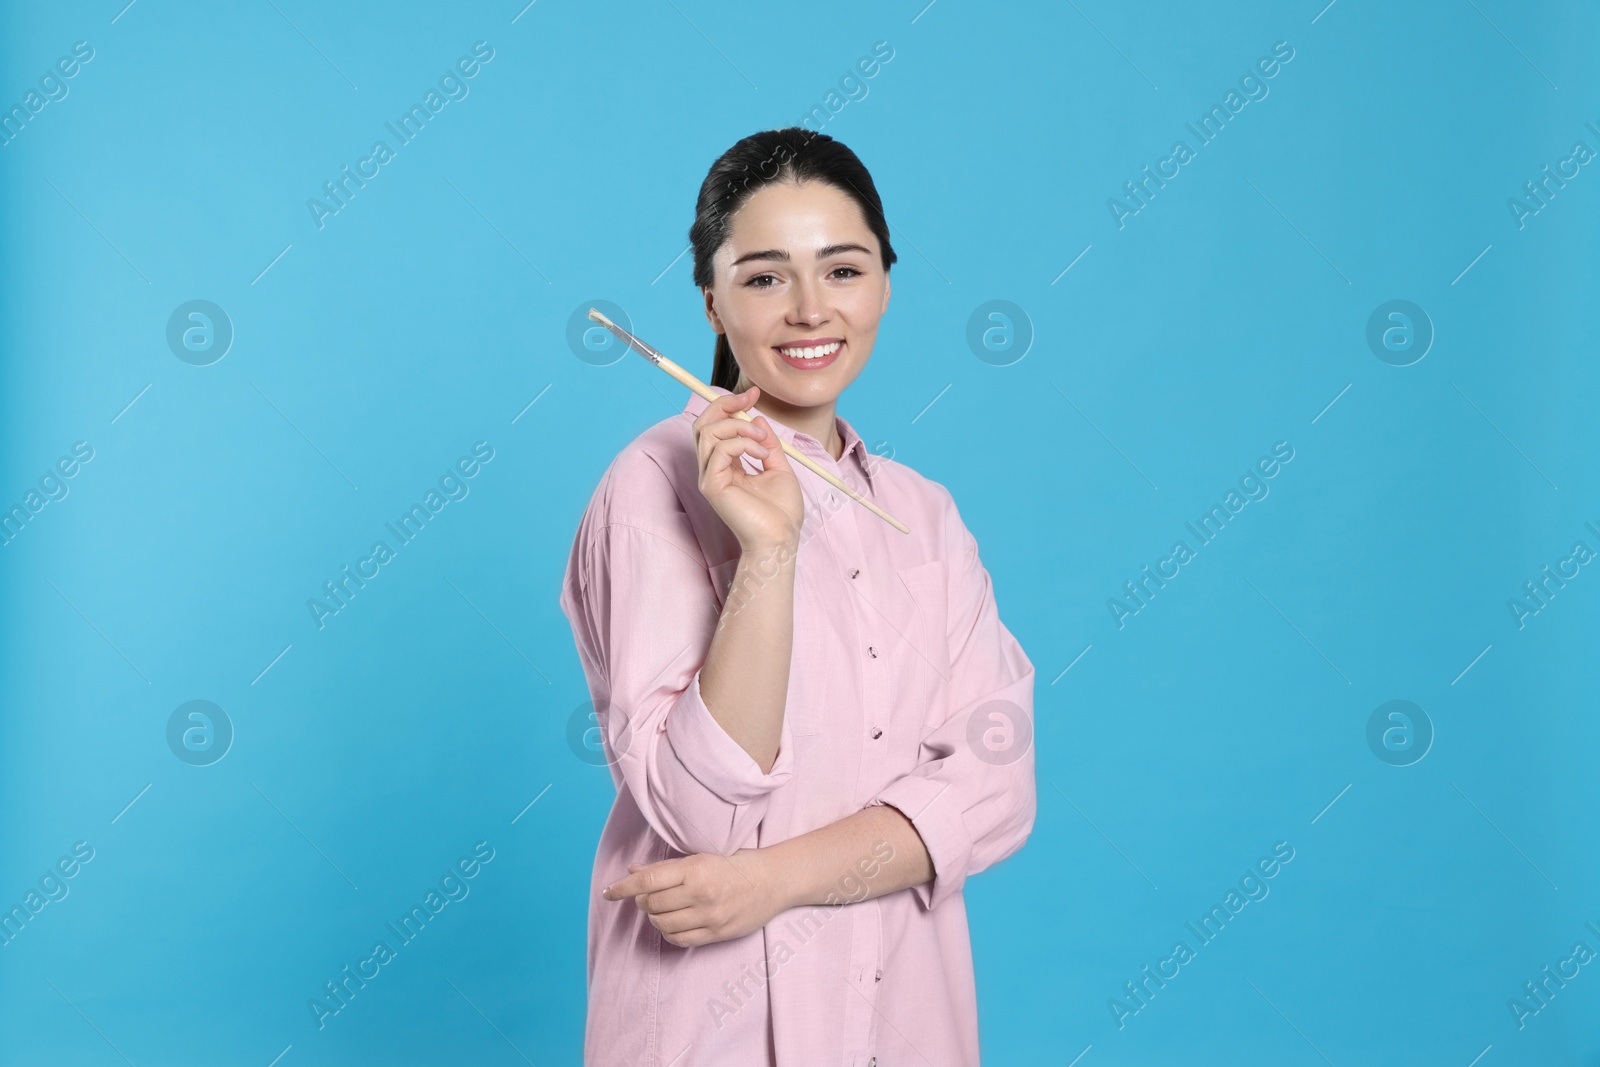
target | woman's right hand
x=762, y=510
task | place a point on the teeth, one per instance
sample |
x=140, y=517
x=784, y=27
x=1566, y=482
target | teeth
x=816, y=352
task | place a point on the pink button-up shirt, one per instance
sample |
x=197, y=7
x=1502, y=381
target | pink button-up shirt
x=904, y=688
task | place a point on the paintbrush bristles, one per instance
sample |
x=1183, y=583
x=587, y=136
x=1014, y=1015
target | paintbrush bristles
x=631, y=341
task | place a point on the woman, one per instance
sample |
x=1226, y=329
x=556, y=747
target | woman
x=817, y=725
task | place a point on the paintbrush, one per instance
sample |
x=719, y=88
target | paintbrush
x=706, y=391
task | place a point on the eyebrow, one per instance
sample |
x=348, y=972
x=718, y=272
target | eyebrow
x=778, y=255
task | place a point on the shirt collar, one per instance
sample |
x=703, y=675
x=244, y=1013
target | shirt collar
x=803, y=441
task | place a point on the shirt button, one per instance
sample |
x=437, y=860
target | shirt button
x=876, y=733
x=878, y=977
x=833, y=498
x=873, y=1062
x=872, y=652
x=854, y=571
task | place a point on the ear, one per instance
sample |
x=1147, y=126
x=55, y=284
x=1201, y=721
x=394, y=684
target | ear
x=711, y=312
x=886, y=285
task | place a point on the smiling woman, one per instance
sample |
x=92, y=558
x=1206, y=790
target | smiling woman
x=790, y=692
x=827, y=203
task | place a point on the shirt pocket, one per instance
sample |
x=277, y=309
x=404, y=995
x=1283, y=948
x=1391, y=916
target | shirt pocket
x=924, y=676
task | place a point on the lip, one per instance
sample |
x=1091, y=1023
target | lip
x=811, y=342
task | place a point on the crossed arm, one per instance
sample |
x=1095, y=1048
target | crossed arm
x=707, y=897
x=971, y=809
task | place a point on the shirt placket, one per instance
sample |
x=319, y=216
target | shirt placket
x=843, y=541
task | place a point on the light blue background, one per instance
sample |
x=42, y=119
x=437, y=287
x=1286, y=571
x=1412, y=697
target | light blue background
x=1228, y=314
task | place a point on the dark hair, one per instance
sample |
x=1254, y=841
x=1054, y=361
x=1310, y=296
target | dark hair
x=792, y=154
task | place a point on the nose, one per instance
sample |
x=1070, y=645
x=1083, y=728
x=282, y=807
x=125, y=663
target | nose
x=809, y=308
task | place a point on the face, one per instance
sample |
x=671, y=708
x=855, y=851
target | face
x=798, y=289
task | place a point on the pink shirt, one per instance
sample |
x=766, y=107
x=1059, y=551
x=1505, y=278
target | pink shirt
x=905, y=688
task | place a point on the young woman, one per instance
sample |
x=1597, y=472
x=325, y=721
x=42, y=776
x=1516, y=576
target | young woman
x=817, y=725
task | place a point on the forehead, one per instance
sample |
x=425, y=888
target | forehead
x=797, y=217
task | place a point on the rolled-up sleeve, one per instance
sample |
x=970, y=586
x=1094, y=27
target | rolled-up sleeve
x=643, y=611
x=971, y=796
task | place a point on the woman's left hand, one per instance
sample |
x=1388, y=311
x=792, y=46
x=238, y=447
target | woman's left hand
x=703, y=898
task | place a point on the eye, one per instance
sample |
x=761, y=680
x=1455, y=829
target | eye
x=848, y=272
x=762, y=281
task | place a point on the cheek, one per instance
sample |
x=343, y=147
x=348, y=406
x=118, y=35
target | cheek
x=749, y=319
x=751, y=322
x=863, y=307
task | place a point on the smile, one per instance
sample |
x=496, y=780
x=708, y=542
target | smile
x=810, y=356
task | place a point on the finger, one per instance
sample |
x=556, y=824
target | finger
x=726, y=453
x=723, y=406
x=691, y=938
x=725, y=458
x=650, y=879
x=734, y=447
x=731, y=427
x=680, y=921
x=726, y=430
x=769, y=449
x=773, y=443
x=735, y=401
x=707, y=436
x=666, y=900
